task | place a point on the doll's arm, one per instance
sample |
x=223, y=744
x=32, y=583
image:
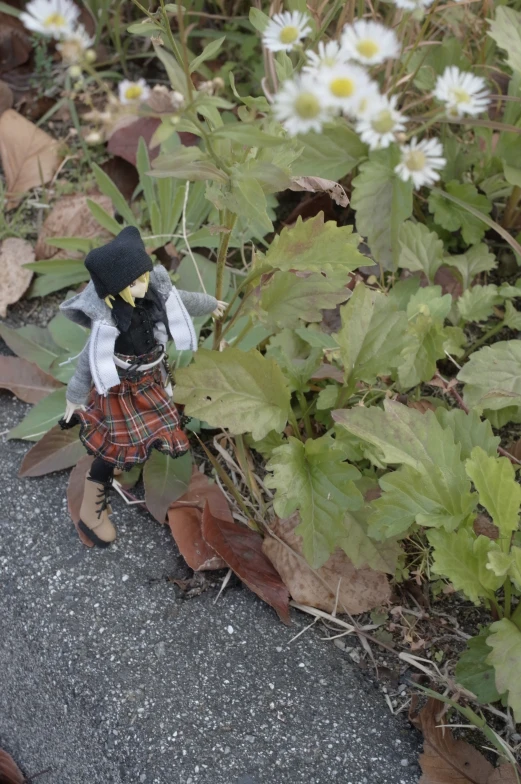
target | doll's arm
x=198, y=304
x=80, y=384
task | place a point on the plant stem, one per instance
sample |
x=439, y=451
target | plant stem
x=516, y=616
x=244, y=331
x=305, y=414
x=511, y=207
x=483, y=339
x=508, y=598
x=292, y=419
x=229, y=222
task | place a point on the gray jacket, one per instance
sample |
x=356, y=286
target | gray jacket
x=96, y=361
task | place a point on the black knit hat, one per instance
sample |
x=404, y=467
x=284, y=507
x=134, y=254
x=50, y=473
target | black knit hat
x=117, y=264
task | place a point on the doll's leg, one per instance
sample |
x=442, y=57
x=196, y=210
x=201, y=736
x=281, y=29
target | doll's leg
x=94, y=512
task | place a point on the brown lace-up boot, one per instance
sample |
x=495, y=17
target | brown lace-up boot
x=94, y=513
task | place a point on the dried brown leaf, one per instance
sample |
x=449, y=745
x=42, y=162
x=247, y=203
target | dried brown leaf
x=6, y=97
x=29, y=156
x=71, y=217
x=515, y=449
x=10, y=773
x=124, y=137
x=56, y=450
x=503, y=775
x=185, y=522
x=447, y=278
x=15, y=45
x=328, y=371
x=444, y=759
x=26, y=380
x=421, y=405
x=320, y=185
x=15, y=278
x=75, y=490
x=241, y=548
x=360, y=589
x=483, y=526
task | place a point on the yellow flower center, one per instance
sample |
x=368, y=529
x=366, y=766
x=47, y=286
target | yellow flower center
x=307, y=106
x=367, y=48
x=383, y=122
x=460, y=95
x=133, y=92
x=416, y=160
x=55, y=20
x=289, y=34
x=342, y=87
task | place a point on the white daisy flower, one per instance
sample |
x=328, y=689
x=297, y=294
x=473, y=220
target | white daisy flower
x=133, y=92
x=462, y=92
x=412, y=5
x=329, y=55
x=74, y=45
x=369, y=42
x=55, y=18
x=343, y=86
x=366, y=103
x=420, y=161
x=378, y=129
x=299, y=105
x=285, y=30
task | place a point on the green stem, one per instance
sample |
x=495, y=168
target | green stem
x=483, y=339
x=322, y=29
x=244, y=331
x=229, y=222
x=508, y=598
x=292, y=419
x=344, y=395
x=427, y=124
x=415, y=46
x=511, y=207
x=182, y=36
x=516, y=616
x=305, y=414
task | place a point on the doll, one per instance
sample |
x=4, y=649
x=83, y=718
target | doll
x=120, y=393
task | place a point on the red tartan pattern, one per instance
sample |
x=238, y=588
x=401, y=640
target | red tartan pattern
x=131, y=420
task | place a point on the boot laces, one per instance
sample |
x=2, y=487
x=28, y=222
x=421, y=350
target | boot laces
x=103, y=497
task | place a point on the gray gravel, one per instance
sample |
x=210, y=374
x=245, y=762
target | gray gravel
x=108, y=674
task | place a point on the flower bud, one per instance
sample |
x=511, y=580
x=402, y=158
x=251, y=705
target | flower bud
x=91, y=56
x=75, y=71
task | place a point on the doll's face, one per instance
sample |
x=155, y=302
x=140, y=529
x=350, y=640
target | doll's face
x=138, y=288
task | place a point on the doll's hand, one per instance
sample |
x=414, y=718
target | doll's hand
x=219, y=310
x=70, y=408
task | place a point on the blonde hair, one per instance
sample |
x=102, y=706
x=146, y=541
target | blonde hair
x=126, y=295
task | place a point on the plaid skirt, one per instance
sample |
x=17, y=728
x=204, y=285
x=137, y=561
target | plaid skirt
x=132, y=419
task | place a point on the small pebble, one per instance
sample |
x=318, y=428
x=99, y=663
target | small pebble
x=125, y=578
x=404, y=762
x=229, y=629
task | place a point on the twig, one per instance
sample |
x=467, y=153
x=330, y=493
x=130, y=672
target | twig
x=224, y=583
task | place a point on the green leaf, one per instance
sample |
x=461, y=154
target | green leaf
x=402, y=291
x=452, y=216
x=258, y=19
x=494, y=479
x=188, y=277
x=512, y=318
x=316, y=338
x=332, y=153
x=241, y=391
x=175, y=72
x=462, y=557
x=296, y=360
x=209, y=51
x=314, y=479
x=248, y=134
x=474, y=673
x=469, y=264
x=424, y=347
x=267, y=444
x=46, y=284
x=382, y=202
x=315, y=246
x=5, y=8
x=287, y=300
x=34, y=344
x=505, y=641
x=145, y=28
x=66, y=334
x=283, y=66
x=186, y=163
x=104, y=219
x=108, y=188
x=492, y=376
x=477, y=303
x=41, y=417
x=77, y=244
x=165, y=481
x=503, y=564
x=250, y=203
x=469, y=431
x=512, y=174
x=371, y=336
x=364, y=551
x=505, y=29
x=420, y=249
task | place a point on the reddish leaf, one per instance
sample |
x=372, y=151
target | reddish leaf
x=10, y=773
x=328, y=371
x=447, y=278
x=241, y=548
x=503, y=775
x=26, y=380
x=15, y=45
x=124, y=140
x=422, y=405
x=483, y=526
x=515, y=449
x=58, y=449
x=185, y=522
x=123, y=174
x=75, y=493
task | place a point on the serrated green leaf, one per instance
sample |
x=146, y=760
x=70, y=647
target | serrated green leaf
x=462, y=557
x=316, y=338
x=315, y=246
x=41, y=417
x=424, y=346
x=503, y=564
x=512, y=318
x=429, y=301
x=332, y=153
x=249, y=135
x=267, y=444
x=492, y=376
x=382, y=202
x=469, y=264
x=371, y=337
x=474, y=673
x=505, y=641
x=186, y=163
x=420, y=249
x=505, y=29
x=477, y=303
x=364, y=551
x=403, y=290
x=469, y=431
x=494, y=479
x=297, y=370
x=234, y=389
x=452, y=216
x=314, y=479
x=327, y=397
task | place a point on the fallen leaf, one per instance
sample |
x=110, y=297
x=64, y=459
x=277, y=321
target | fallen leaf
x=503, y=775
x=185, y=522
x=165, y=480
x=56, y=450
x=360, y=589
x=10, y=773
x=328, y=371
x=515, y=449
x=449, y=281
x=6, y=97
x=128, y=479
x=71, y=217
x=29, y=156
x=320, y=185
x=75, y=490
x=242, y=550
x=14, y=253
x=485, y=527
x=444, y=759
x=15, y=45
x=123, y=175
x=422, y=405
x=125, y=136
x=26, y=380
